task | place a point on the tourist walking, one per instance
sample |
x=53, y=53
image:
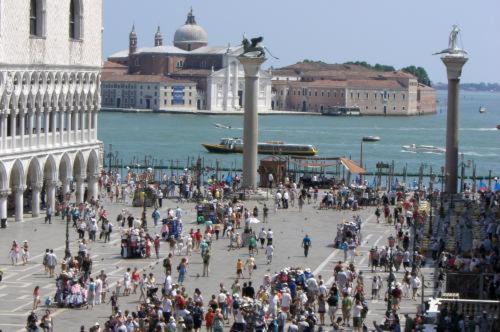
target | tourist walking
x=47, y=322
x=14, y=253
x=51, y=262
x=306, y=244
x=269, y=253
x=25, y=252
x=36, y=297
x=48, y=215
x=206, y=263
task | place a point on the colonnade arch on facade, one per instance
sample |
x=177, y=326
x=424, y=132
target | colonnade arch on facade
x=31, y=184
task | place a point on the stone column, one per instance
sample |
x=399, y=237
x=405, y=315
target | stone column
x=22, y=128
x=94, y=115
x=30, y=128
x=76, y=116
x=66, y=185
x=89, y=123
x=13, y=132
x=36, y=188
x=93, y=186
x=225, y=97
x=3, y=124
x=3, y=203
x=19, y=203
x=80, y=189
x=53, y=118
x=38, y=127
x=46, y=125
x=62, y=111
x=236, y=98
x=454, y=66
x=51, y=194
x=70, y=120
x=82, y=123
x=251, y=67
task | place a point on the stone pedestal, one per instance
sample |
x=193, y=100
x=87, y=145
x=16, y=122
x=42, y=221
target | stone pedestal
x=454, y=64
x=251, y=67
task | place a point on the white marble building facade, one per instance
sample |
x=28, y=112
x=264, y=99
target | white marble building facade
x=226, y=87
x=50, y=60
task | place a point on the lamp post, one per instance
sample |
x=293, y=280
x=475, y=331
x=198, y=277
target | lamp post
x=365, y=139
x=391, y=278
x=147, y=172
x=67, y=252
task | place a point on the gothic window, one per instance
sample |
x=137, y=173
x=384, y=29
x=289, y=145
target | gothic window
x=37, y=18
x=75, y=19
x=33, y=18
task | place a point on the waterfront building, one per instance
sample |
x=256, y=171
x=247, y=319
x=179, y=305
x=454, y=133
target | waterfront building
x=215, y=71
x=317, y=87
x=50, y=60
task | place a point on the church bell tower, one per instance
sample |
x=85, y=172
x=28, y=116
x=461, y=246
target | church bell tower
x=158, y=37
x=132, y=41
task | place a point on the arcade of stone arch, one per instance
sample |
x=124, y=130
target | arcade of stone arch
x=48, y=131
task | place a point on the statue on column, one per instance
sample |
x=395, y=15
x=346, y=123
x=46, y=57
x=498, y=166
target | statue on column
x=254, y=48
x=453, y=48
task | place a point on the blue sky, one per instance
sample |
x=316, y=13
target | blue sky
x=394, y=32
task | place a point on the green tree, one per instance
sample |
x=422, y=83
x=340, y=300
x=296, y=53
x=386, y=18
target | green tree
x=419, y=72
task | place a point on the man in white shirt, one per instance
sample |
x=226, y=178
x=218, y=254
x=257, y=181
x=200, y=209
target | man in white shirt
x=269, y=253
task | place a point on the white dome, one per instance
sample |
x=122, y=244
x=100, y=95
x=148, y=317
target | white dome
x=190, y=33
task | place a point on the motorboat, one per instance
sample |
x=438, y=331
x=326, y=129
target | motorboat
x=423, y=148
x=498, y=126
x=371, y=138
x=482, y=109
x=221, y=126
x=235, y=145
x=341, y=111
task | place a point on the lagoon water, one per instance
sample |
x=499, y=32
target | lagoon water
x=179, y=136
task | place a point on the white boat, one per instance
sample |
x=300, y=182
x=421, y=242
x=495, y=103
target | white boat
x=423, y=148
x=220, y=125
x=482, y=109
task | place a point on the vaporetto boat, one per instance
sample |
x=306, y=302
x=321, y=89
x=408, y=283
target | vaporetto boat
x=235, y=145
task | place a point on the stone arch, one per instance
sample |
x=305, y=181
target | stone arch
x=17, y=185
x=50, y=82
x=34, y=174
x=79, y=165
x=16, y=178
x=26, y=83
x=4, y=184
x=50, y=169
x=18, y=82
x=65, y=82
x=58, y=82
x=65, y=173
x=5, y=101
x=93, y=174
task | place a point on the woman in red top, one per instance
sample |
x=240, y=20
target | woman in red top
x=136, y=277
x=36, y=297
x=209, y=319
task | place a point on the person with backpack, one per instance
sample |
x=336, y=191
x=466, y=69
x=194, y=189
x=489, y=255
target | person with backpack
x=197, y=315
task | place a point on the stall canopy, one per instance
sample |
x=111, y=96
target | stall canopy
x=351, y=166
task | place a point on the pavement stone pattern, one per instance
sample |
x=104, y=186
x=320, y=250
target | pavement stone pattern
x=289, y=227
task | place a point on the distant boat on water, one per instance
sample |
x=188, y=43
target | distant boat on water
x=221, y=126
x=423, y=148
x=482, y=109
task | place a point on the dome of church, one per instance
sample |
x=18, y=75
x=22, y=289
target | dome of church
x=190, y=33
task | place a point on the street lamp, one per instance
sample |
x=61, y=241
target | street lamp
x=365, y=139
x=391, y=278
x=67, y=252
x=144, y=214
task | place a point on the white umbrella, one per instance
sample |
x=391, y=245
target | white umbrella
x=252, y=220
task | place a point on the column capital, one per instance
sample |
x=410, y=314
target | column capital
x=80, y=177
x=4, y=193
x=51, y=183
x=36, y=186
x=454, y=65
x=251, y=65
x=18, y=189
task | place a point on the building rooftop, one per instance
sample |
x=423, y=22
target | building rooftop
x=108, y=77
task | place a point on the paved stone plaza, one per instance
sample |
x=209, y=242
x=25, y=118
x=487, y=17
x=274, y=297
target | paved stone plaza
x=289, y=227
